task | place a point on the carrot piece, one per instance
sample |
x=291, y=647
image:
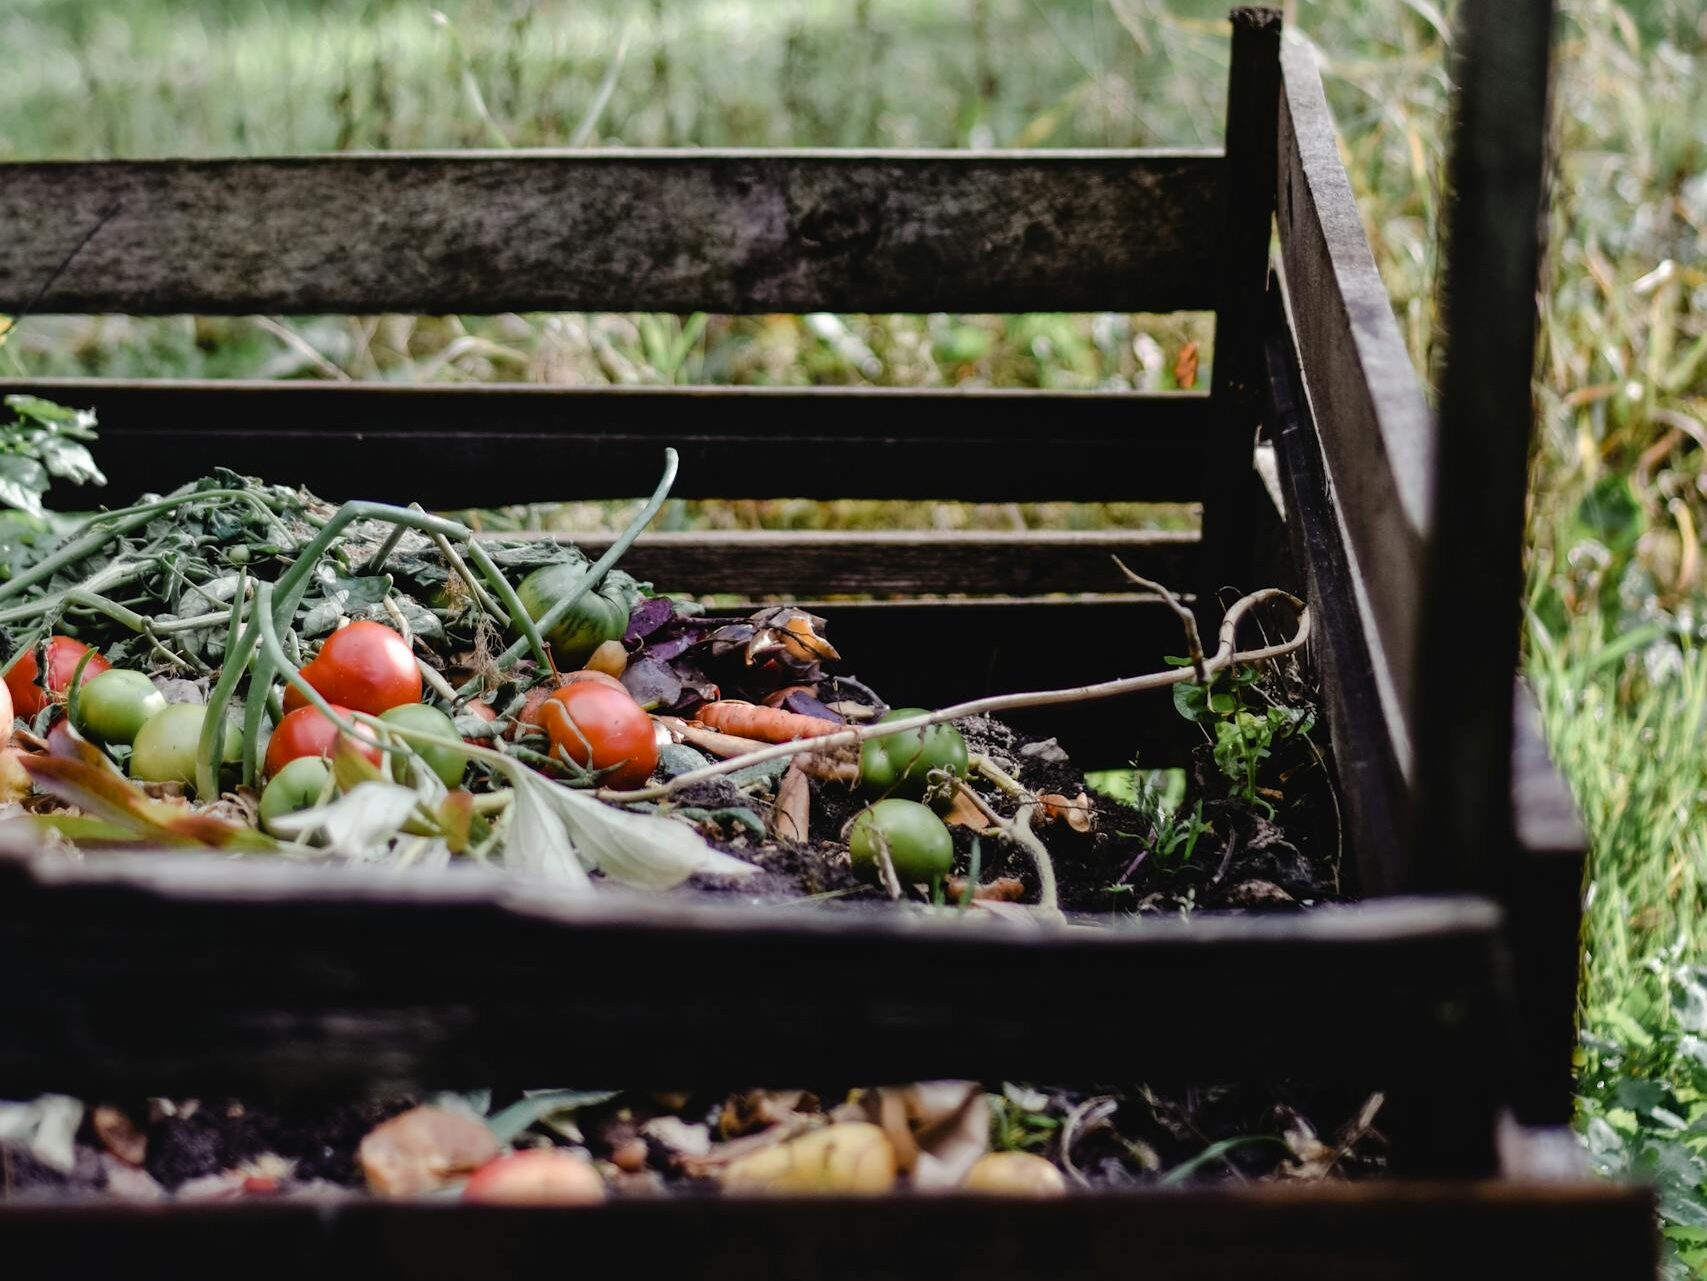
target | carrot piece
x=767, y=724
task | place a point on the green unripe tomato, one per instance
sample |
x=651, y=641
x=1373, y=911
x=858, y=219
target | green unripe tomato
x=919, y=845
x=298, y=786
x=165, y=747
x=600, y=615
x=900, y=764
x=114, y=706
x=446, y=762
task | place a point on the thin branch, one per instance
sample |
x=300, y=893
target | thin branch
x=1225, y=656
x=1194, y=644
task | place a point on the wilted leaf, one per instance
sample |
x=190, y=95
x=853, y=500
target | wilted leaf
x=102, y=794
x=359, y=823
x=643, y=850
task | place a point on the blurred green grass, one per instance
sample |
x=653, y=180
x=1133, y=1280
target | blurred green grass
x=1615, y=647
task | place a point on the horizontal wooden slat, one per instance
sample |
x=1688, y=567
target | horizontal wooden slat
x=682, y=231
x=1376, y=430
x=489, y=444
x=882, y=563
x=1383, y=1230
x=289, y=976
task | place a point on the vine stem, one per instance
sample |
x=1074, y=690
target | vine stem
x=1018, y=830
x=1225, y=656
x=589, y=580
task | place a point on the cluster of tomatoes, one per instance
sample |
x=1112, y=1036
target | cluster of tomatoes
x=363, y=667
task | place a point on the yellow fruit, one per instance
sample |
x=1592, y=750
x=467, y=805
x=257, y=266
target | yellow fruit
x=1014, y=1174
x=854, y=1156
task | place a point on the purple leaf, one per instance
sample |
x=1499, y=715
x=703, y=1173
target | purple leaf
x=652, y=683
x=648, y=616
x=806, y=705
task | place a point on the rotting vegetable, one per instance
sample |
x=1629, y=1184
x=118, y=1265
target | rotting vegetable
x=409, y=667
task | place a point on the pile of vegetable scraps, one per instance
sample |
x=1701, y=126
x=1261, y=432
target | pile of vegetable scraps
x=578, y=1147
x=244, y=667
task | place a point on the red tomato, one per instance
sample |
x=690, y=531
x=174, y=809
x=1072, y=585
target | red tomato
x=6, y=715
x=63, y=655
x=612, y=724
x=307, y=732
x=365, y=666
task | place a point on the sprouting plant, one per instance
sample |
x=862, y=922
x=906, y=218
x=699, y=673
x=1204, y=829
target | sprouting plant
x=1018, y=1122
x=1171, y=831
x=1243, y=730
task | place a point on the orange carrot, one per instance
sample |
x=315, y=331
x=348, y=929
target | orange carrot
x=767, y=724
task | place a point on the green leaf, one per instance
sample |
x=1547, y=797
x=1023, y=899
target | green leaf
x=542, y=1105
x=23, y=481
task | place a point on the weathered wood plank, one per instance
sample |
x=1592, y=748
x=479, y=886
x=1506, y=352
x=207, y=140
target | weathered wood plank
x=486, y=445
x=1473, y=577
x=1544, y=897
x=1233, y=502
x=682, y=231
x=1376, y=431
x=1374, y=1231
x=881, y=563
x=1373, y=794
x=458, y=979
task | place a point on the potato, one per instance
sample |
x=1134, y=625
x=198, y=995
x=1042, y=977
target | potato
x=854, y=1156
x=1014, y=1174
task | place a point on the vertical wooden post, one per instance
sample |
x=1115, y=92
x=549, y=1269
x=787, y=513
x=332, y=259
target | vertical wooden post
x=1467, y=649
x=1473, y=578
x=1253, y=112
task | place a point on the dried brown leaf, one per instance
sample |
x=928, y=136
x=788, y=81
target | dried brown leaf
x=792, y=816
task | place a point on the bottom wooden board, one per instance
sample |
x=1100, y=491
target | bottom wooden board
x=1379, y=1231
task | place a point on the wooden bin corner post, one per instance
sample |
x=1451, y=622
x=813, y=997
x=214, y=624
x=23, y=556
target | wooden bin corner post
x=1233, y=494
x=1472, y=828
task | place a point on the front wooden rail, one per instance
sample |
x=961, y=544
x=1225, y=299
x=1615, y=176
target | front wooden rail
x=270, y=975
x=612, y=230
x=1322, y=1231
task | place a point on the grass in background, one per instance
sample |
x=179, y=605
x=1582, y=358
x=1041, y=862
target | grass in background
x=1616, y=643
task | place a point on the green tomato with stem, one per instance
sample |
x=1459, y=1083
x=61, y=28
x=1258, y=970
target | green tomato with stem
x=900, y=764
x=599, y=616
x=919, y=846
x=165, y=747
x=300, y=785
x=446, y=762
x=114, y=706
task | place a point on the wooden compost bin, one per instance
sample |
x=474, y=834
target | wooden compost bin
x=1451, y=986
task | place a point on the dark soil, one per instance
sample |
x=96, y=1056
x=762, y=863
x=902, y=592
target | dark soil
x=1248, y=859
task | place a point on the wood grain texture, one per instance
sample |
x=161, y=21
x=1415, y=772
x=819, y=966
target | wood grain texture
x=1376, y=1231
x=1372, y=787
x=883, y=563
x=681, y=231
x=493, y=444
x=463, y=978
x=1376, y=431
